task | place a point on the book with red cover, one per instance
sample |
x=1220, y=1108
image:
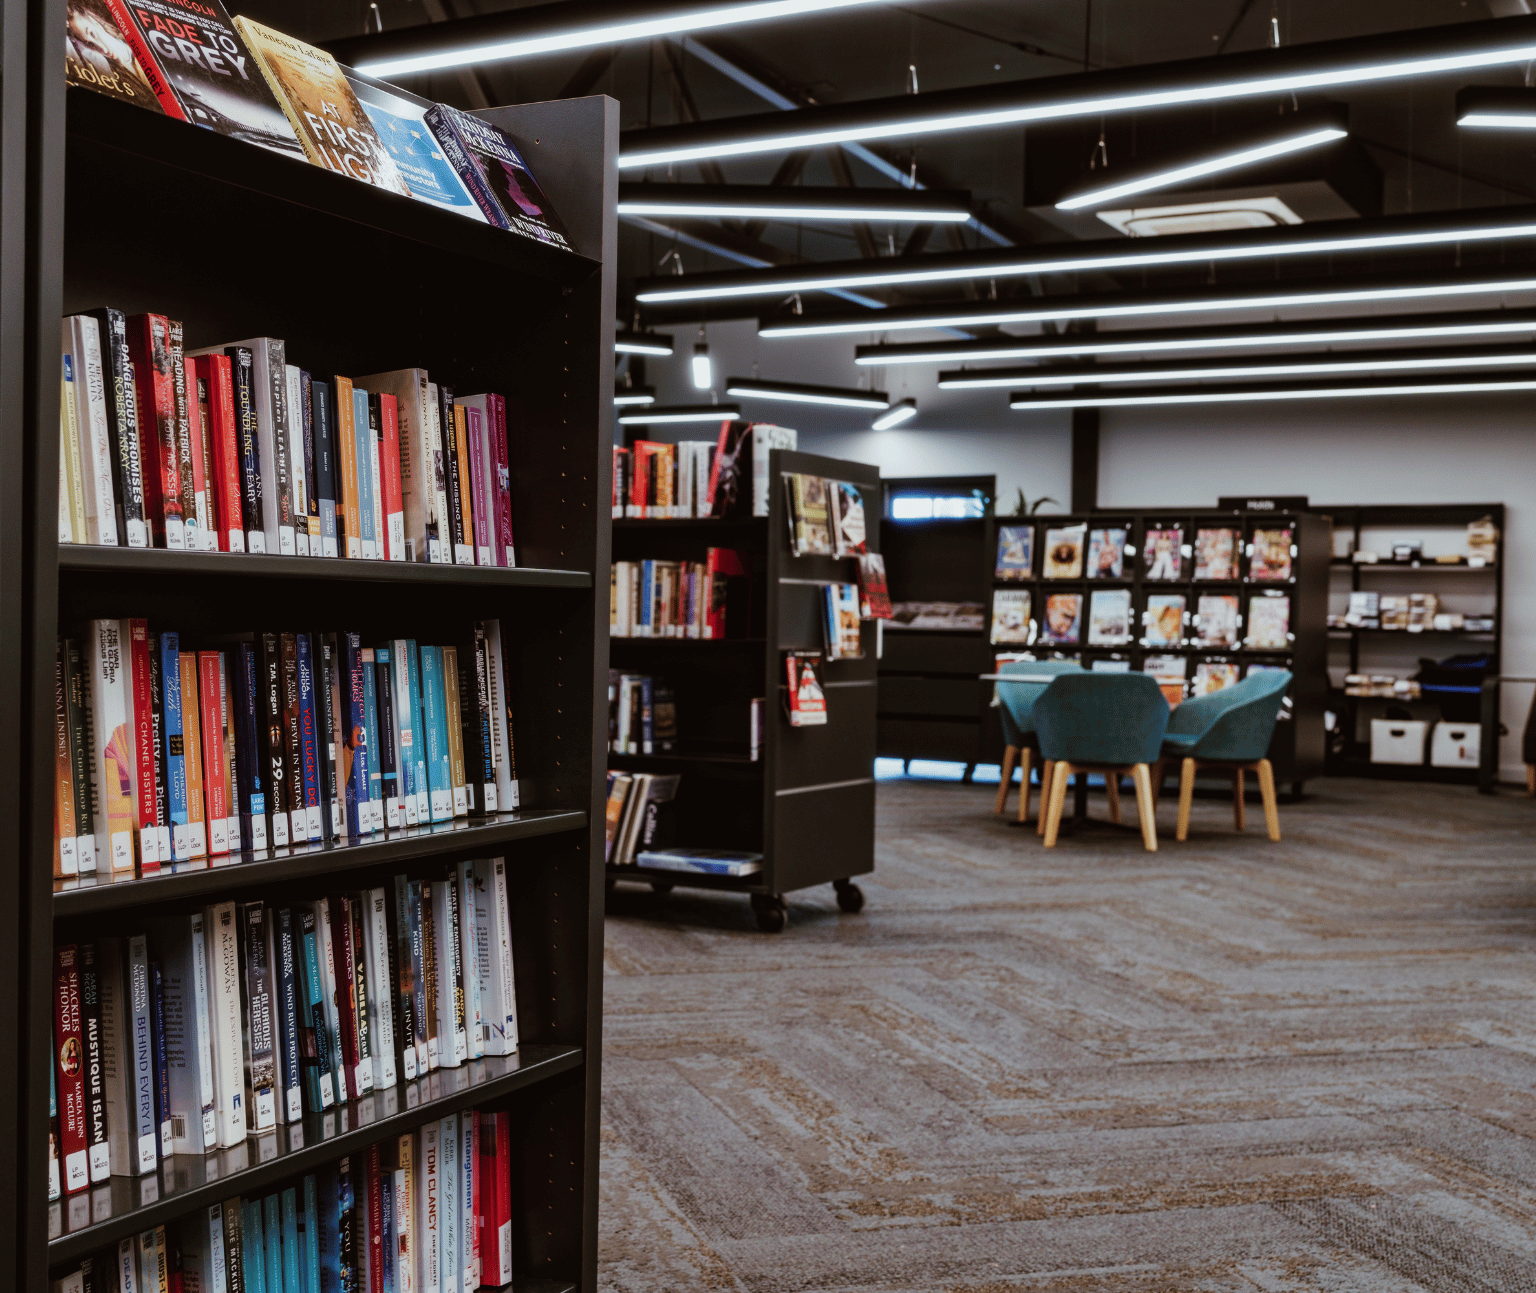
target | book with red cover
x=874, y=594
x=501, y=486
x=142, y=735
x=494, y=1187
x=69, y=1039
x=216, y=788
x=216, y=383
x=389, y=478
x=149, y=348
x=199, y=416
x=720, y=565
x=642, y=490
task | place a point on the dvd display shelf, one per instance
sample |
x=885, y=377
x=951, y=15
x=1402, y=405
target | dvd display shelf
x=807, y=803
x=1463, y=588
x=1297, y=749
x=107, y=204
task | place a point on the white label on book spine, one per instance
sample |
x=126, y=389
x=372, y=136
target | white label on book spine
x=237, y=540
x=266, y=1107
x=434, y=552
x=279, y=829
x=69, y=860
x=295, y=1105
x=392, y=812
x=460, y=802
x=285, y=541
x=218, y=835
x=149, y=1148
x=316, y=822
x=256, y=541
x=175, y=533
x=301, y=542
x=397, y=536
x=258, y=831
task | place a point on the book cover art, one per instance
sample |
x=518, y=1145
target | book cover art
x=402, y=129
x=874, y=592
x=1216, y=554
x=1270, y=558
x=1163, y=553
x=1012, y=619
x=843, y=623
x=807, y=701
x=1213, y=676
x=1170, y=671
x=809, y=518
x=1109, y=617
x=1064, y=553
x=1269, y=623
x=1217, y=620
x=1106, y=554
x=319, y=103
x=1063, y=618
x=851, y=536
x=1164, y=620
x=1015, y=552
x=99, y=57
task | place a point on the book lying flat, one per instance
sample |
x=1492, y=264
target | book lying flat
x=702, y=861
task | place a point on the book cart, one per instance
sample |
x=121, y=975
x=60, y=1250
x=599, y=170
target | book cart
x=931, y=704
x=1439, y=527
x=807, y=803
x=1297, y=749
x=105, y=203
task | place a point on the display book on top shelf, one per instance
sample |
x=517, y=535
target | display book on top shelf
x=938, y=550
x=806, y=801
x=1448, y=600
x=1198, y=598
x=361, y=280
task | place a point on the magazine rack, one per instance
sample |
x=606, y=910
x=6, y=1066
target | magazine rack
x=106, y=203
x=807, y=803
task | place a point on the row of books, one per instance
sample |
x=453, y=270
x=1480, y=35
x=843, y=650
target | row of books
x=1076, y=552
x=428, y=1211
x=642, y=714
x=1174, y=675
x=233, y=449
x=638, y=814
x=1217, y=621
x=655, y=480
x=240, y=78
x=207, y=1027
x=168, y=755
x=676, y=599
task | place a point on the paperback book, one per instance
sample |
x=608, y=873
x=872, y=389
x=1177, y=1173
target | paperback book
x=850, y=535
x=874, y=594
x=807, y=702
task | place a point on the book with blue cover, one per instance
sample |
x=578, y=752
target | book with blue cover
x=405, y=729
x=315, y=1061
x=401, y=125
x=293, y=1258
x=253, y=1247
x=372, y=740
x=702, y=861
x=272, y=1237
x=362, y=439
x=1015, y=552
x=309, y=1236
x=182, y=829
x=435, y=721
x=328, y=1215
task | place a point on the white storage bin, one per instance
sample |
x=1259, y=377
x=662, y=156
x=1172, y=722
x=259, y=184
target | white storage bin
x=1455, y=745
x=1398, y=740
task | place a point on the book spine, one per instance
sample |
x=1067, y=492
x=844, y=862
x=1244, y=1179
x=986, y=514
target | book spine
x=194, y=520
x=293, y=1258
x=388, y=750
x=327, y=698
x=362, y=470
x=261, y=1055
x=426, y=1033
x=469, y=961
x=418, y=497
x=439, y=120
x=144, y=1133
x=368, y=445
x=201, y=1024
x=222, y=933
x=404, y=981
x=429, y=1204
x=496, y=918
x=272, y=427
x=501, y=482
x=300, y=443
x=234, y=1256
x=357, y=965
x=330, y=980
x=70, y=1043
x=293, y=739
x=355, y=761
x=271, y=736
x=113, y=764
x=406, y=1279
x=404, y=730
x=323, y=409
x=373, y=742
x=478, y=736
x=215, y=373
x=149, y=346
x=162, y=1061
x=466, y=487
x=374, y=1174
x=314, y=1050
x=216, y=788
x=250, y=769
x=172, y=727
x=380, y=997
x=439, y=481
x=453, y=717
x=77, y=721
x=309, y=737
x=343, y=990
x=351, y=520
x=477, y=439
x=418, y=731
x=95, y=434
x=435, y=722
x=157, y=730
x=309, y=1223
x=450, y=1188
x=496, y=1199
x=290, y=1091
x=393, y=486
x=98, y=1152
x=159, y=83
x=434, y=959
x=66, y=861
x=193, y=764
x=469, y=1159
x=122, y=429
x=143, y=733
x=205, y=480
x=272, y=1238
x=254, y=504
x=448, y=419
x=445, y=900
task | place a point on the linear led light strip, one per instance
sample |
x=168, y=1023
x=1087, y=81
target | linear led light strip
x=613, y=33
x=787, y=211
x=956, y=317
x=1141, y=257
x=796, y=393
x=1255, y=394
x=681, y=413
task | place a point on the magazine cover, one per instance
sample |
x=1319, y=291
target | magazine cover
x=961, y=617
x=1063, y=617
x=1269, y=623
x=1216, y=554
x=843, y=638
x=1212, y=676
x=1109, y=617
x=403, y=131
x=1217, y=618
x=851, y=539
x=1064, y=552
x=810, y=525
x=1164, y=553
x=1164, y=620
x=97, y=56
x=1011, y=617
x=1271, y=557
x=1106, y=554
x=807, y=701
x=1015, y=552
x=1170, y=672
x=874, y=592
x=1111, y=666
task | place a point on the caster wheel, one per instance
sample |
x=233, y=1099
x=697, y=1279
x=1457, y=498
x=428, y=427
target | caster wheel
x=770, y=912
x=660, y=888
x=849, y=896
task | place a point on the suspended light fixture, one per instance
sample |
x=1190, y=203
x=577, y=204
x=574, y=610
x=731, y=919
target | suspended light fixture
x=792, y=202
x=1328, y=238
x=659, y=413
x=801, y=393
x=901, y=411
x=1502, y=109
x=631, y=341
x=632, y=396
x=1360, y=60
x=703, y=368
x=1267, y=392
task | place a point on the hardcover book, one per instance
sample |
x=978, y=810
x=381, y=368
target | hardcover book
x=1163, y=553
x=1109, y=617
x=1270, y=559
x=1064, y=553
x=1106, y=554
x=1012, y=620
x=1217, y=620
x=1063, y=618
x=1164, y=620
x=97, y=56
x=1216, y=554
x=1015, y=552
x=1269, y=622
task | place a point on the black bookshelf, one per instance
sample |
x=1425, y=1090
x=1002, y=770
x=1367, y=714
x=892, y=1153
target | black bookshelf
x=808, y=803
x=104, y=203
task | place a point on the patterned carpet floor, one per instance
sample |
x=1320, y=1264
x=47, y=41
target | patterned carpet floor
x=1231, y=1065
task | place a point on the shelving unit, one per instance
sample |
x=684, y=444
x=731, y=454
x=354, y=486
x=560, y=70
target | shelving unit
x=808, y=803
x=104, y=203
x=1442, y=527
x=931, y=704
x=1297, y=749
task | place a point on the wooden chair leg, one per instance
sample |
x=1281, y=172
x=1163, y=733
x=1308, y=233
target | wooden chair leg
x=1142, y=776
x=1112, y=793
x=1266, y=774
x=1047, y=771
x=1159, y=772
x=1061, y=771
x=1024, y=761
x=1186, y=798
x=1239, y=809
x=1010, y=753
x=1530, y=779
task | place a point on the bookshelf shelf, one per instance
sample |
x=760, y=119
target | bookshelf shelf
x=245, y=870
x=185, y=1183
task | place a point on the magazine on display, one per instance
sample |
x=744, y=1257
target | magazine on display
x=1163, y=553
x=1270, y=560
x=1063, y=618
x=1213, y=676
x=810, y=521
x=1170, y=671
x=850, y=537
x=844, y=641
x=1163, y=620
x=1217, y=620
x=874, y=593
x=1106, y=554
x=807, y=701
x=1216, y=554
x=1109, y=617
x=1269, y=622
x=954, y=617
x=1015, y=552
x=1064, y=553
x=1012, y=621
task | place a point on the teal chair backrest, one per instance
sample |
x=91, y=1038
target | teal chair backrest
x=1241, y=729
x=1113, y=718
x=1016, y=700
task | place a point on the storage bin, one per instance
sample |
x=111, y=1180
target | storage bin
x=1398, y=740
x=1454, y=745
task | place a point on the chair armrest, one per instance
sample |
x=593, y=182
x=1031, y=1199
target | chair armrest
x=1194, y=716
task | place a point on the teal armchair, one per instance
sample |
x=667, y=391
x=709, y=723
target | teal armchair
x=1229, y=730
x=1102, y=722
x=1016, y=704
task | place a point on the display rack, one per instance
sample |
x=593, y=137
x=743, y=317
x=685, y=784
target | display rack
x=1461, y=587
x=105, y=203
x=1297, y=749
x=931, y=704
x=807, y=803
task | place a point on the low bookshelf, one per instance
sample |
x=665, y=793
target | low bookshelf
x=807, y=802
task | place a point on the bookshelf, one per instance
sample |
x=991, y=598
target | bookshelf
x=808, y=803
x=105, y=203
x=931, y=704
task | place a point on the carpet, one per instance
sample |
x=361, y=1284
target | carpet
x=1229, y=1065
